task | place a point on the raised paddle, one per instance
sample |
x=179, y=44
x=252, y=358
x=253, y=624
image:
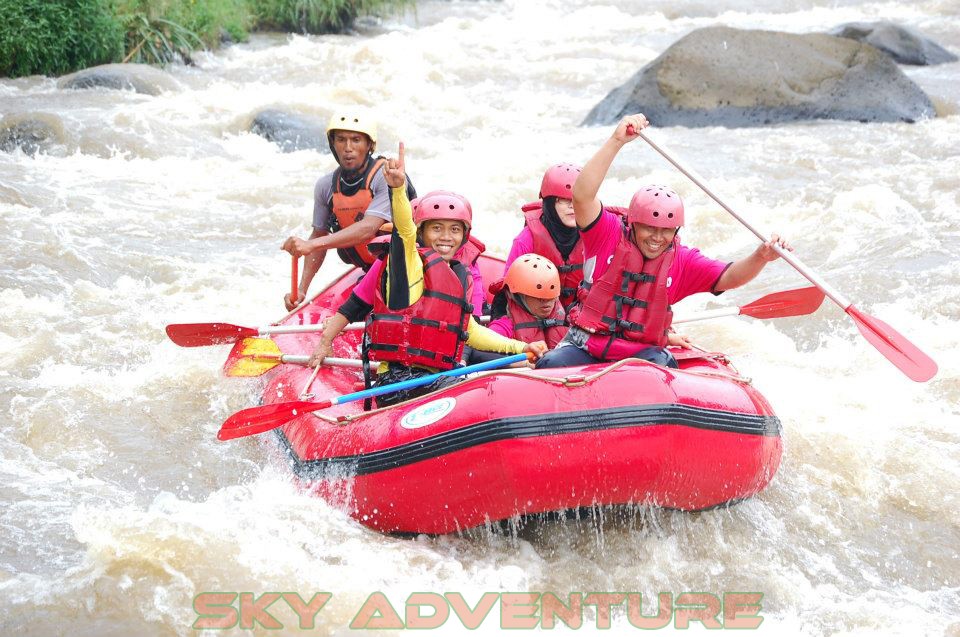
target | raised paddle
x=257, y=356
x=255, y=420
x=777, y=305
x=201, y=334
x=894, y=346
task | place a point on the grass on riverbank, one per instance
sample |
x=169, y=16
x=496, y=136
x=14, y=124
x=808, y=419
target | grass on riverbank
x=53, y=37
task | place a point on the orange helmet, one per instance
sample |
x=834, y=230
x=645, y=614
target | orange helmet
x=533, y=275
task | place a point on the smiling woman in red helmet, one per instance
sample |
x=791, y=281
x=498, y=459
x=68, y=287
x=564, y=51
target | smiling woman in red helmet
x=635, y=268
x=350, y=205
x=416, y=299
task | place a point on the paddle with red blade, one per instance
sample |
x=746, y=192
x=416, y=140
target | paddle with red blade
x=255, y=420
x=201, y=334
x=777, y=305
x=908, y=358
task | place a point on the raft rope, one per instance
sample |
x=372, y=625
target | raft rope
x=573, y=380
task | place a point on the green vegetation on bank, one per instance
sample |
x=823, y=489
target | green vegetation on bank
x=316, y=16
x=56, y=37
x=53, y=37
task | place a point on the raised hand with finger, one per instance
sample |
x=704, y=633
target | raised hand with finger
x=395, y=171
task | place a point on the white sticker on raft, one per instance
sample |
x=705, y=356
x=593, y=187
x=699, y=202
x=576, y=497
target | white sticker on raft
x=428, y=414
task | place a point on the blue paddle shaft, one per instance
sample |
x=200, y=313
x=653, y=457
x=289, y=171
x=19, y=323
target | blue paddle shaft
x=426, y=380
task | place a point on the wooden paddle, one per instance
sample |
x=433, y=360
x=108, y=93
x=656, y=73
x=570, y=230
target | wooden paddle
x=255, y=420
x=256, y=356
x=907, y=357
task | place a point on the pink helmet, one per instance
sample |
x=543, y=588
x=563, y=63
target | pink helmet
x=656, y=206
x=558, y=181
x=443, y=204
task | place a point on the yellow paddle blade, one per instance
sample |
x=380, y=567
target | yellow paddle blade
x=252, y=357
x=258, y=347
x=250, y=366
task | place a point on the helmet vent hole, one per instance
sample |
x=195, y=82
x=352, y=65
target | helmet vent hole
x=656, y=214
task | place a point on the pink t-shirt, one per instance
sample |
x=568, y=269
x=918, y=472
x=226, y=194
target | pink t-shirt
x=503, y=326
x=477, y=292
x=690, y=272
x=522, y=244
x=366, y=289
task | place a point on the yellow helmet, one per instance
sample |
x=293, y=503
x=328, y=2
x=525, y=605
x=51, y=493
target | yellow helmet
x=353, y=122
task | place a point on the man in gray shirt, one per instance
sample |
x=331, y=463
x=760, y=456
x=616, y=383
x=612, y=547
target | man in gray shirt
x=351, y=205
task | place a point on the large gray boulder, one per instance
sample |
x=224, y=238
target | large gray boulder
x=141, y=78
x=732, y=77
x=291, y=131
x=902, y=44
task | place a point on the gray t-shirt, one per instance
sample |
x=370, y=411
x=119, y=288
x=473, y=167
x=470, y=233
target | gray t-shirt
x=323, y=192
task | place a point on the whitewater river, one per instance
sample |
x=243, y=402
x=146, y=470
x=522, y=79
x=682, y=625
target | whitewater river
x=117, y=504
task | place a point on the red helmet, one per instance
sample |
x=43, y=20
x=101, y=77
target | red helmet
x=656, y=206
x=558, y=181
x=443, y=204
x=533, y=275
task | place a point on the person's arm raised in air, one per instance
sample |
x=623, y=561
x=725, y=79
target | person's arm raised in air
x=586, y=203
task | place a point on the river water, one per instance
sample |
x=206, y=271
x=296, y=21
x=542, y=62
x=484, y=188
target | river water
x=118, y=504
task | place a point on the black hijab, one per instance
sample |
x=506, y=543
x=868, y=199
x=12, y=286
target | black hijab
x=565, y=238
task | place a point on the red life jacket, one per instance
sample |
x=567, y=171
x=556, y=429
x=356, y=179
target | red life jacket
x=571, y=268
x=470, y=251
x=432, y=331
x=627, y=308
x=528, y=328
x=349, y=209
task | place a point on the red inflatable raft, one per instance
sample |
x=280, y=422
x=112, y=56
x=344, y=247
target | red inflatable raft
x=513, y=442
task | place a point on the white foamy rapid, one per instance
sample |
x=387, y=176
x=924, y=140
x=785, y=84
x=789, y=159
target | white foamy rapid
x=117, y=505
